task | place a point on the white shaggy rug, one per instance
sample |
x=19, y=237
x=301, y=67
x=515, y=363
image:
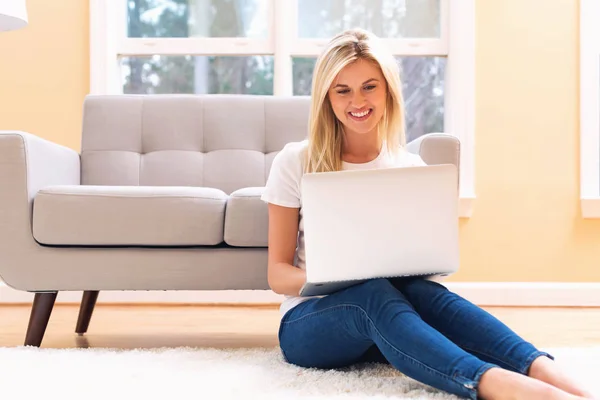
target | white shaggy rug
x=28, y=373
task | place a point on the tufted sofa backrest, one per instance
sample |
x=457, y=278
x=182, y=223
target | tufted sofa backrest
x=222, y=141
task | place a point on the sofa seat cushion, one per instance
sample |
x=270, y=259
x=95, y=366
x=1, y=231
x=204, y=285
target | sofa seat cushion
x=246, y=218
x=129, y=215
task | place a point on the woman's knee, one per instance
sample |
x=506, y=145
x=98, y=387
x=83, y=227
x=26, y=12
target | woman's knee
x=377, y=295
x=420, y=284
x=377, y=288
x=425, y=295
x=378, y=283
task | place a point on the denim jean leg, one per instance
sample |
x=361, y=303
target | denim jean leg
x=339, y=329
x=469, y=326
x=314, y=336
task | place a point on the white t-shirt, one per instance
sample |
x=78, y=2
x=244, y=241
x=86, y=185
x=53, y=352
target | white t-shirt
x=283, y=188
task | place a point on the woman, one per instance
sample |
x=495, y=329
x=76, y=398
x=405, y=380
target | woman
x=416, y=324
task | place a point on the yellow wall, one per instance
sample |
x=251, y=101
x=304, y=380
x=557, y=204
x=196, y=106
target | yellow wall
x=527, y=128
x=527, y=148
x=44, y=71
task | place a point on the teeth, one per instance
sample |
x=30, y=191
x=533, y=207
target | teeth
x=362, y=114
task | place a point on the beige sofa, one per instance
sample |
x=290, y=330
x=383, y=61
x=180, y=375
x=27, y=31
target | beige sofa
x=164, y=195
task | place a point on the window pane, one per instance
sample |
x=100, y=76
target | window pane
x=385, y=18
x=422, y=88
x=197, y=18
x=302, y=70
x=198, y=74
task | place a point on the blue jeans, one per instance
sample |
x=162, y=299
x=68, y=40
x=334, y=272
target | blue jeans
x=418, y=326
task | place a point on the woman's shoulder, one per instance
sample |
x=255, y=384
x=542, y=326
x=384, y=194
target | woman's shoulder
x=283, y=183
x=295, y=148
x=292, y=154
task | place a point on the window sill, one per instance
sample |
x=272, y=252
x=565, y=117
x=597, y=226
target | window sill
x=465, y=207
x=590, y=207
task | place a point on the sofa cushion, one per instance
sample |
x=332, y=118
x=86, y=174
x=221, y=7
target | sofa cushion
x=246, y=218
x=129, y=215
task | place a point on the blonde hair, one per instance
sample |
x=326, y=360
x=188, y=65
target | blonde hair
x=325, y=130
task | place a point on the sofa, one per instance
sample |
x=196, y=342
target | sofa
x=164, y=194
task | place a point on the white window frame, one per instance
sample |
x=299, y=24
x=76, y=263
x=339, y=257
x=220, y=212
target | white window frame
x=589, y=108
x=108, y=42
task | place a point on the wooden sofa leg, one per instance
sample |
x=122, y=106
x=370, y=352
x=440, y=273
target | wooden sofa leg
x=43, y=303
x=85, y=311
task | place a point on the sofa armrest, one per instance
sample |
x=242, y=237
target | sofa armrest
x=27, y=164
x=28, y=161
x=437, y=148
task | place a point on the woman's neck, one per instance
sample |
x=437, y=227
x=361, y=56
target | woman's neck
x=360, y=148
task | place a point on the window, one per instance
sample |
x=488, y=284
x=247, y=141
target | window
x=590, y=108
x=269, y=47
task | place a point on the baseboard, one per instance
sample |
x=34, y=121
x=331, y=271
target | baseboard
x=10, y=295
x=529, y=294
x=533, y=294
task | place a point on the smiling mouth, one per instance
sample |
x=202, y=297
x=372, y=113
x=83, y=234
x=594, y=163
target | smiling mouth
x=361, y=116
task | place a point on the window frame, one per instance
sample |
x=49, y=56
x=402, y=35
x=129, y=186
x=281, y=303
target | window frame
x=589, y=108
x=108, y=42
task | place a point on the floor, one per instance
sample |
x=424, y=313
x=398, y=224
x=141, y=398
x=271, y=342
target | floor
x=150, y=326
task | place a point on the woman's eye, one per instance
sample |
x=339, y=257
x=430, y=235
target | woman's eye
x=370, y=87
x=344, y=91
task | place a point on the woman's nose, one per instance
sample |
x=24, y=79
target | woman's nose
x=358, y=101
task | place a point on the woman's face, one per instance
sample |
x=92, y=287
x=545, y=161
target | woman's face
x=358, y=97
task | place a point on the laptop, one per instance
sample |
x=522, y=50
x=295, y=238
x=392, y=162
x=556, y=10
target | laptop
x=380, y=223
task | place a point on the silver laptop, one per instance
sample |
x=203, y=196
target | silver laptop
x=382, y=223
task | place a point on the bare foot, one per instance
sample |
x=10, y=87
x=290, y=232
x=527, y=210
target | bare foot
x=547, y=370
x=501, y=384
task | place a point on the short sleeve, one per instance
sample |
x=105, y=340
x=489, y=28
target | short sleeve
x=283, y=184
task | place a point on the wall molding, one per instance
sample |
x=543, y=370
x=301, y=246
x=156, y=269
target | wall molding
x=524, y=294
x=459, y=114
x=589, y=76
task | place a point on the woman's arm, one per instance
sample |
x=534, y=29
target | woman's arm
x=283, y=277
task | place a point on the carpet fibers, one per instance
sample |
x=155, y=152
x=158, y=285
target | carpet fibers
x=177, y=373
